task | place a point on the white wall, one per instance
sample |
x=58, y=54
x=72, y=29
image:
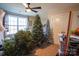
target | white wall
x=58, y=24
x=75, y=20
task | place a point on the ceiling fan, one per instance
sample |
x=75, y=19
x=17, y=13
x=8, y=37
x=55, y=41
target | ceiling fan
x=28, y=8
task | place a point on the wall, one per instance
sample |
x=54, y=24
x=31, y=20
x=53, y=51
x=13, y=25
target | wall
x=75, y=20
x=58, y=24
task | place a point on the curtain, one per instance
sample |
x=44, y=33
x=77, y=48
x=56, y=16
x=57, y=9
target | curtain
x=2, y=13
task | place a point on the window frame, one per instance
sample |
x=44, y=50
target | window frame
x=18, y=26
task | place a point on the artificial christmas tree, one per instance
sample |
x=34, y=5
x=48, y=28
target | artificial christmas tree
x=37, y=31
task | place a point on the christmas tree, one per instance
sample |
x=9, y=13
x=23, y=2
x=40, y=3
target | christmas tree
x=37, y=31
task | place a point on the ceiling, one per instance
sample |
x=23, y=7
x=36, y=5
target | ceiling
x=47, y=8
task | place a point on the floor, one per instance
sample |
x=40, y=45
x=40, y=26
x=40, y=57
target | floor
x=51, y=50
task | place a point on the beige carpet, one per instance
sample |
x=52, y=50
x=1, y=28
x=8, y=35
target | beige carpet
x=51, y=50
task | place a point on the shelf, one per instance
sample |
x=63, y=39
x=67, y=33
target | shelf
x=74, y=42
x=73, y=45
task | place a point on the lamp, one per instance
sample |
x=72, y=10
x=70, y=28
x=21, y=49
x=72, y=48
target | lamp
x=28, y=10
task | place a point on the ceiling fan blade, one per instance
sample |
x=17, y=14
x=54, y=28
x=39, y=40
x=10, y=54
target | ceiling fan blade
x=36, y=8
x=34, y=11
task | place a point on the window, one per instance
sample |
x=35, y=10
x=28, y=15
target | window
x=15, y=23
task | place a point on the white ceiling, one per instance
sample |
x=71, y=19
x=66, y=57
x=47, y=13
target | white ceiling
x=47, y=8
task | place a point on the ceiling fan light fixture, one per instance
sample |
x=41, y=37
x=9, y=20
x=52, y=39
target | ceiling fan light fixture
x=28, y=10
